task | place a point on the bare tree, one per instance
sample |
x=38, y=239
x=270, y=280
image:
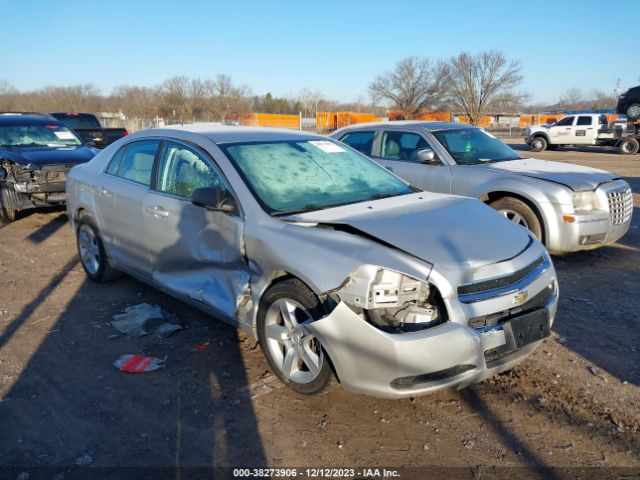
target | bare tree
x=175, y=94
x=414, y=84
x=482, y=83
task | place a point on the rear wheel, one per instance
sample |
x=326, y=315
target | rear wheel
x=539, y=144
x=633, y=112
x=92, y=253
x=519, y=212
x=292, y=352
x=629, y=146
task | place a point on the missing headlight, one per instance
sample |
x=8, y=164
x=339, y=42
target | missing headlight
x=391, y=301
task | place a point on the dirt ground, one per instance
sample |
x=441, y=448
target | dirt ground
x=571, y=406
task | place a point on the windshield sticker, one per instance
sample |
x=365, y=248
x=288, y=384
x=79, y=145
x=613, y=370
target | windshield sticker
x=64, y=135
x=326, y=146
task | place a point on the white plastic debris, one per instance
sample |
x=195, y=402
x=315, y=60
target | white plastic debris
x=144, y=319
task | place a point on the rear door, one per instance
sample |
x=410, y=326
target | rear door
x=193, y=251
x=398, y=151
x=120, y=196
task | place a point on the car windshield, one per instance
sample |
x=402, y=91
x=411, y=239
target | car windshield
x=471, y=146
x=38, y=136
x=298, y=176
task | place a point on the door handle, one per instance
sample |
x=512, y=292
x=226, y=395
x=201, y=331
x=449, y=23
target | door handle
x=158, y=211
x=102, y=190
x=389, y=168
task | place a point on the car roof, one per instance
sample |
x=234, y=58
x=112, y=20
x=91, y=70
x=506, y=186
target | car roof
x=28, y=120
x=400, y=124
x=232, y=134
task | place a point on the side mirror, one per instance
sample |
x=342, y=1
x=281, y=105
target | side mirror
x=214, y=198
x=427, y=156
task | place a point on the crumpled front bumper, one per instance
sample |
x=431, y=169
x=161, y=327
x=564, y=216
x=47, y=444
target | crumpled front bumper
x=368, y=360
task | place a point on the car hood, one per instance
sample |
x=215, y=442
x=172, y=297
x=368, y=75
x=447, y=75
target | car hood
x=36, y=157
x=444, y=230
x=576, y=177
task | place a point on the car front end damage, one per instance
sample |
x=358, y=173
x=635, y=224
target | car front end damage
x=28, y=186
x=394, y=336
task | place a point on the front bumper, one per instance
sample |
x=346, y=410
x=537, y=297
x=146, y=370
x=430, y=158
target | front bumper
x=587, y=232
x=368, y=360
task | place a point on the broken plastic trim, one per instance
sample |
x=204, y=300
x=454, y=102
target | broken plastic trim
x=392, y=301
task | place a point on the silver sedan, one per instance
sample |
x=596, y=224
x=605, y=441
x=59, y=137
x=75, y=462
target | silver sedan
x=339, y=268
x=567, y=207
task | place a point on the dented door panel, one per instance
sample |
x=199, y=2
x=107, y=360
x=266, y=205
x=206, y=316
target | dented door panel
x=196, y=252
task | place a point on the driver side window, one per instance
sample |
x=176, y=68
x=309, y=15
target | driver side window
x=183, y=170
x=402, y=146
x=566, y=122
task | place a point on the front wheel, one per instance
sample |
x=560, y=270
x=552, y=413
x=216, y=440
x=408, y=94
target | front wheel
x=629, y=146
x=8, y=200
x=292, y=352
x=520, y=213
x=539, y=144
x=93, y=255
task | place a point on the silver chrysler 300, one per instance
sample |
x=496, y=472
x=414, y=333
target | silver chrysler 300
x=567, y=207
x=337, y=266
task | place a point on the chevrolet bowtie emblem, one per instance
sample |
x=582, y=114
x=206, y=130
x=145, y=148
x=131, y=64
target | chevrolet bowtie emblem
x=520, y=297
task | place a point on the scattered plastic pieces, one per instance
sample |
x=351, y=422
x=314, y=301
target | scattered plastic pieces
x=202, y=346
x=139, y=363
x=144, y=319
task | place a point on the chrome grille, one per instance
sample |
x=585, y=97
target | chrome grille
x=499, y=282
x=620, y=206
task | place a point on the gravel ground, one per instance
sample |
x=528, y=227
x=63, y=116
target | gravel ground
x=573, y=405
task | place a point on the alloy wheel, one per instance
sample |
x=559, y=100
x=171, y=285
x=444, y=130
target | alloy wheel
x=89, y=249
x=296, y=353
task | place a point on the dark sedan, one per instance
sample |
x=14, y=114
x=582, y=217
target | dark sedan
x=629, y=103
x=36, y=153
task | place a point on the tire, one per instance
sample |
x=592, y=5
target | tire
x=92, y=253
x=8, y=201
x=538, y=144
x=284, y=309
x=519, y=212
x=629, y=146
x=633, y=111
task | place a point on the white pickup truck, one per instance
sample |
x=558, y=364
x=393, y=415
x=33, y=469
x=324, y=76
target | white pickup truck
x=583, y=129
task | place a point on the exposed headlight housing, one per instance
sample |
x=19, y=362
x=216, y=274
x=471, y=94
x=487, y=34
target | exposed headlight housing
x=585, y=201
x=392, y=301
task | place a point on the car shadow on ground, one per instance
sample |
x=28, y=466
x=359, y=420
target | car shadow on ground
x=70, y=402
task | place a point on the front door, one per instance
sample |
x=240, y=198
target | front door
x=193, y=251
x=399, y=153
x=563, y=131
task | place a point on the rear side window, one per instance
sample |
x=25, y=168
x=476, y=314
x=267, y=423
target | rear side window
x=115, y=161
x=136, y=164
x=584, y=120
x=361, y=141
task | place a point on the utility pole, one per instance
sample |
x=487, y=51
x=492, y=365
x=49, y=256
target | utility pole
x=617, y=90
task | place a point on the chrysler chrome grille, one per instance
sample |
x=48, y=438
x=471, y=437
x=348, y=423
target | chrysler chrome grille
x=620, y=206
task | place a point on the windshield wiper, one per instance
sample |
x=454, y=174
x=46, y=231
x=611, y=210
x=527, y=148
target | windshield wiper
x=308, y=208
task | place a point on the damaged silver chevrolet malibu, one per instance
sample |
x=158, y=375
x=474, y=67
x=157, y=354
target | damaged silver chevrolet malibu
x=337, y=266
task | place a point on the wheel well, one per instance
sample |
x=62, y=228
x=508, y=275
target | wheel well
x=281, y=276
x=492, y=196
x=540, y=134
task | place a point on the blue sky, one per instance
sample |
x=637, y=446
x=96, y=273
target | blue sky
x=336, y=47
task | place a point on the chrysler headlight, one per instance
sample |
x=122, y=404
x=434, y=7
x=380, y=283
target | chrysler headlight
x=585, y=201
x=392, y=301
